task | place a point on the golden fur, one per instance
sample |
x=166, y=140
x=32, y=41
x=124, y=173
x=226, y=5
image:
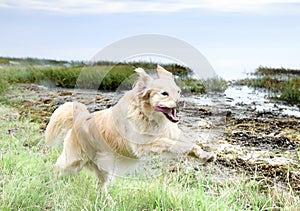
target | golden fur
x=111, y=141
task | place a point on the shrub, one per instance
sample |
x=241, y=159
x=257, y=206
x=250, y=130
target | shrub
x=291, y=91
x=193, y=85
x=215, y=84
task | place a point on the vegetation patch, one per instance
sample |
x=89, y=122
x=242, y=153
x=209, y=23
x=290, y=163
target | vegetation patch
x=101, y=75
x=283, y=84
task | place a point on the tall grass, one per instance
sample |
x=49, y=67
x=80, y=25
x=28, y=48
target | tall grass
x=101, y=75
x=263, y=71
x=3, y=85
x=106, y=77
x=192, y=85
x=291, y=91
x=216, y=84
x=283, y=84
x=34, y=61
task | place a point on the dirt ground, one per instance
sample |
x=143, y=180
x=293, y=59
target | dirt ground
x=261, y=145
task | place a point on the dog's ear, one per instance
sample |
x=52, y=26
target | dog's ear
x=142, y=84
x=143, y=76
x=163, y=73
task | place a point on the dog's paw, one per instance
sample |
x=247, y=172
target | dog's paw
x=203, y=156
x=207, y=157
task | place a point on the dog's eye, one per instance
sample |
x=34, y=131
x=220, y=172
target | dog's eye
x=165, y=93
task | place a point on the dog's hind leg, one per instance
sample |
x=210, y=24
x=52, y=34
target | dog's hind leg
x=71, y=159
x=103, y=177
x=103, y=180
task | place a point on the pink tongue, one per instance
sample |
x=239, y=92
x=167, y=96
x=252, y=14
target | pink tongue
x=163, y=109
x=168, y=111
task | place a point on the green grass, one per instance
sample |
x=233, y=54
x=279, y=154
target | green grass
x=261, y=70
x=101, y=75
x=91, y=77
x=192, y=85
x=216, y=84
x=3, y=85
x=28, y=183
x=33, y=61
x=291, y=91
x=283, y=84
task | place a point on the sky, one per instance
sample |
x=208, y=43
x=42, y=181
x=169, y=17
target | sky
x=235, y=36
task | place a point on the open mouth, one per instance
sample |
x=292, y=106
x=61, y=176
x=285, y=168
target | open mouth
x=170, y=113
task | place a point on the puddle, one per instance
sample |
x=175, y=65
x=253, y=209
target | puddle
x=245, y=98
x=257, y=100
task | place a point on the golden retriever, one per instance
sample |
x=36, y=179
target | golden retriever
x=112, y=141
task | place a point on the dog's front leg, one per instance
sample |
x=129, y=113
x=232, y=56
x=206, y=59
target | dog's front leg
x=163, y=145
x=204, y=156
x=179, y=147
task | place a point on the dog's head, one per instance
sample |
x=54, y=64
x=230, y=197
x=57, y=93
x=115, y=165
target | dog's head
x=161, y=95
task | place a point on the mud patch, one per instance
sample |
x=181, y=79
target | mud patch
x=284, y=175
x=266, y=148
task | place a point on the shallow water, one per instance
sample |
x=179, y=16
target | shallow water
x=255, y=100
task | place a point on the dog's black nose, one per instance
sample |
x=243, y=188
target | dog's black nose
x=180, y=103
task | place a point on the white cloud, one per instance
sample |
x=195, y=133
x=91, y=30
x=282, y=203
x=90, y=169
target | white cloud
x=245, y=5
x=126, y=6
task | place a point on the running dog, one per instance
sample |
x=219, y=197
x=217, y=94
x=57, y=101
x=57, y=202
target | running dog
x=112, y=141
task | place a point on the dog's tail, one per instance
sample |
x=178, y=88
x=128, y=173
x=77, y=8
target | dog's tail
x=61, y=122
